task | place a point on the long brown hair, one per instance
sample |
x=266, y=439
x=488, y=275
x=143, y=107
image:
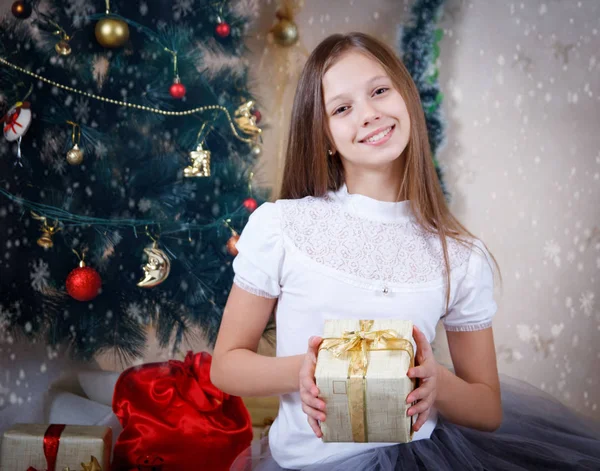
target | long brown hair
x=309, y=172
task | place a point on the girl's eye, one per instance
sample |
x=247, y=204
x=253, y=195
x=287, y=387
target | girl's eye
x=381, y=90
x=341, y=109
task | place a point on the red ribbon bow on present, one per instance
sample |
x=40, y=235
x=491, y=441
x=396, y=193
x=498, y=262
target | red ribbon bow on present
x=51, y=442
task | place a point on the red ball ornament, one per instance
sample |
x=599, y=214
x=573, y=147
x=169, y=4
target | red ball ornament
x=250, y=204
x=256, y=115
x=177, y=90
x=223, y=29
x=83, y=283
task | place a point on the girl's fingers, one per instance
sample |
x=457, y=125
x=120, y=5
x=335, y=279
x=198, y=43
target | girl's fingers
x=419, y=407
x=308, y=384
x=419, y=393
x=421, y=371
x=312, y=401
x=421, y=420
x=314, y=413
x=315, y=426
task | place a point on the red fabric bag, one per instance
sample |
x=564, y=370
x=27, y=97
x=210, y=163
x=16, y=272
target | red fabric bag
x=175, y=419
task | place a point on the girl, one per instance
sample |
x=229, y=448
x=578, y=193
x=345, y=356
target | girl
x=362, y=230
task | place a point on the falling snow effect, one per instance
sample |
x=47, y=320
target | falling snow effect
x=79, y=10
x=82, y=110
x=134, y=312
x=586, y=302
x=552, y=252
x=182, y=8
x=40, y=275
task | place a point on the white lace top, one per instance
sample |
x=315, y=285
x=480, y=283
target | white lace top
x=348, y=256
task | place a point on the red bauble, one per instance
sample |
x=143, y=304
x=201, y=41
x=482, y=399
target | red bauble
x=256, y=115
x=177, y=90
x=250, y=204
x=83, y=283
x=223, y=29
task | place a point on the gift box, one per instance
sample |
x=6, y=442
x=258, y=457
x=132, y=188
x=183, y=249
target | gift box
x=54, y=447
x=361, y=374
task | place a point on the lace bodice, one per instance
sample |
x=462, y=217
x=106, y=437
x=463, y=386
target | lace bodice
x=333, y=232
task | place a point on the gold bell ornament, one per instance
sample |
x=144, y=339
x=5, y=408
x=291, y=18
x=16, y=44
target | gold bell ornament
x=62, y=47
x=48, y=231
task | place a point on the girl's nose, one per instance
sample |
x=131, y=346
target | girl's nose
x=370, y=115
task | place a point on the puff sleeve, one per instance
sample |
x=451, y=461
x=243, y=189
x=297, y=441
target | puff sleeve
x=473, y=306
x=257, y=266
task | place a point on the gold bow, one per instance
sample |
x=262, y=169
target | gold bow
x=359, y=343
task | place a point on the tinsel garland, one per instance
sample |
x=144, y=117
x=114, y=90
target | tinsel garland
x=419, y=49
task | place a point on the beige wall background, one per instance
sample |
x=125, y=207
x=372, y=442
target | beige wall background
x=522, y=160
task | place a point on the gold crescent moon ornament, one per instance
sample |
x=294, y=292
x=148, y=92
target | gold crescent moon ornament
x=156, y=269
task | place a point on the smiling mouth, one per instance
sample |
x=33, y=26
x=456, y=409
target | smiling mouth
x=377, y=137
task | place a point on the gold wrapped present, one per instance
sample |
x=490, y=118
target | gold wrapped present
x=361, y=374
x=56, y=447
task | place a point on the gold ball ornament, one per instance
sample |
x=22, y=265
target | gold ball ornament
x=75, y=155
x=285, y=32
x=256, y=150
x=63, y=48
x=112, y=32
x=231, y=248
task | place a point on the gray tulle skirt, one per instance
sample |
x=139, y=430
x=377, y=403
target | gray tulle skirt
x=537, y=433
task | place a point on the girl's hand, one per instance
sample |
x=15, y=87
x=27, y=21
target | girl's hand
x=312, y=406
x=427, y=370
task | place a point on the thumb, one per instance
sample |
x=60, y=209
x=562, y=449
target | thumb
x=423, y=347
x=313, y=347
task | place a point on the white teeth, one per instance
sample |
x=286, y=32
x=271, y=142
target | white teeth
x=381, y=135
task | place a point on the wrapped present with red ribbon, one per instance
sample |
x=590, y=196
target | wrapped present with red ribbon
x=43, y=447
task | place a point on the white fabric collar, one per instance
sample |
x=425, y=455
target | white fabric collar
x=369, y=208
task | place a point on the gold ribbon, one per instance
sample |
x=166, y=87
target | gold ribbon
x=358, y=343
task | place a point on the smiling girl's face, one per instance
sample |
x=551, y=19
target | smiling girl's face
x=367, y=116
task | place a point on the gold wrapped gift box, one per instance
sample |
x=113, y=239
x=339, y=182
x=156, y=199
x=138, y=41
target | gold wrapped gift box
x=361, y=374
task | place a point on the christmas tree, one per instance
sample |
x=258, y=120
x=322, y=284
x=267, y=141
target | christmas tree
x=130, y=137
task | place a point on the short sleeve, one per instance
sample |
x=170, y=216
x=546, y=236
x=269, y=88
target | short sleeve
x=257, y=266
x=473, y=306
